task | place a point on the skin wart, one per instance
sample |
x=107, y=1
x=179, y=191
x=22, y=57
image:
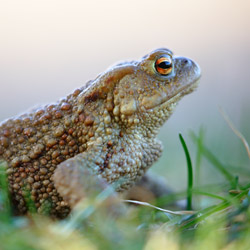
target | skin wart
x=106, y=129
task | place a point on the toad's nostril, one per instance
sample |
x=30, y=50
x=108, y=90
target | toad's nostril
x=187, y=63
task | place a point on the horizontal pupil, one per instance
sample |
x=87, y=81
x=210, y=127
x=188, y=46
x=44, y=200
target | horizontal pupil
x=165, y=65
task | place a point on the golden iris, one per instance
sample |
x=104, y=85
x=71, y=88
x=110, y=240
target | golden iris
x=163, y=65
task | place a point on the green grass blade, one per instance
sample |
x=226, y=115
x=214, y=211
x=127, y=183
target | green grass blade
x=209, y=195
x=204, y=213
x=200, y=141
x=190, y=173
x=216, y=163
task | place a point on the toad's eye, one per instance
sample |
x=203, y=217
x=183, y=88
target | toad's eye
x=163, y=65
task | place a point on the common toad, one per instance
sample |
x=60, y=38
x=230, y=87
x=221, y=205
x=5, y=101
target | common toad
x=108, y=127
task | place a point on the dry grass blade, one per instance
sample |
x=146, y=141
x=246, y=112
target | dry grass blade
x=160, y=209
x=230, y=124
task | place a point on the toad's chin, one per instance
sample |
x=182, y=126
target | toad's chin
x=160, y=100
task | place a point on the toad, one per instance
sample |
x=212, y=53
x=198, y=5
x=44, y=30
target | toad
x=106, y=129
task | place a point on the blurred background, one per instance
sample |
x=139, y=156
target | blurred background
x=48, y=48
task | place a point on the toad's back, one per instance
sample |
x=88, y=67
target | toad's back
x=110, y=124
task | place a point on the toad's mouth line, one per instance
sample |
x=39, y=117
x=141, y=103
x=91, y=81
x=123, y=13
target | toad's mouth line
x=185, y=90
x=162, y=101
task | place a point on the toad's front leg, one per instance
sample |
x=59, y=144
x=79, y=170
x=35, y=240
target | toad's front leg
x=92, y=170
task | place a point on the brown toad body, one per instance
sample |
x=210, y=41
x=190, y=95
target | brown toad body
x=109, y=126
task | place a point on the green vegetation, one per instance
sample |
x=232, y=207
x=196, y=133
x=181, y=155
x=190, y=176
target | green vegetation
x=190, y=173
x=220, y=218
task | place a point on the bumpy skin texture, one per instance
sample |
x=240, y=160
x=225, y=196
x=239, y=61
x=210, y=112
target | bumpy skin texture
x=105, y=129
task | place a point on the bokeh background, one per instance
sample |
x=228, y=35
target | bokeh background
x=50, y=47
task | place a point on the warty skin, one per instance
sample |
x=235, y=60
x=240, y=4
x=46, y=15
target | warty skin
x=106, y=129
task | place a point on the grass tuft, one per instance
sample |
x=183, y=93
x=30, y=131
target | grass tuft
x=220, y=220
